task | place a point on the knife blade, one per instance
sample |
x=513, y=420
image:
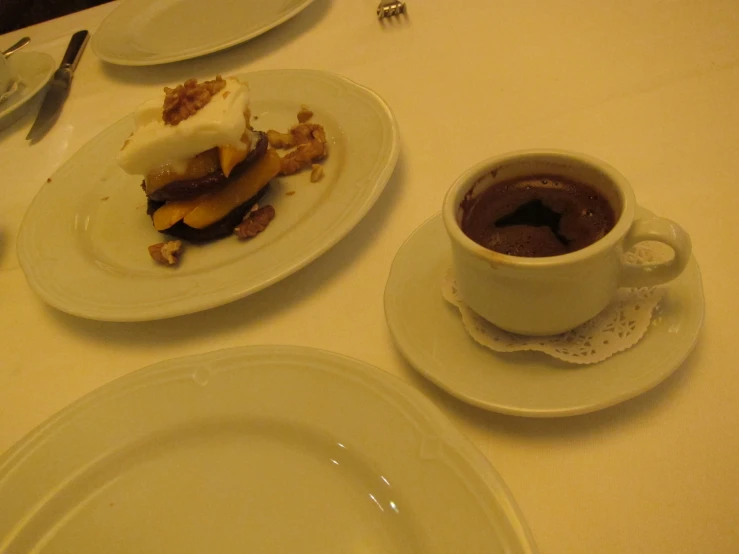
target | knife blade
x=58, y=88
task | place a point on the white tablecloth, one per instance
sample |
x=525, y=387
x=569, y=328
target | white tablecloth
x=650, y=86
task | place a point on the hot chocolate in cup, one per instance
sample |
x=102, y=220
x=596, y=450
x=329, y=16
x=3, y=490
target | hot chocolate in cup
x=564, y=279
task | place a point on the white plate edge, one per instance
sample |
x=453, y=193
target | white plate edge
x=95, y=42
x=424, y=407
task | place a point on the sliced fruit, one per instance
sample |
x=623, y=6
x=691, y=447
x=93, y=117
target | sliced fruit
x=197, y=167
x=230, y=157
x=192, y=188
x=172, y=212
x=220, y=203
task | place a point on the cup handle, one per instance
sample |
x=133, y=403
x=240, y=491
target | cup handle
x=660, y=230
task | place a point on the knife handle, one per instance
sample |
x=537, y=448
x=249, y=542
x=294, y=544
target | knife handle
x=74, y=50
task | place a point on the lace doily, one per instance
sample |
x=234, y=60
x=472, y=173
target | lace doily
x=619, y=327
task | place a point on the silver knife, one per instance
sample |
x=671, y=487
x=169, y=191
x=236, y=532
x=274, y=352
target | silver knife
x=58, y=88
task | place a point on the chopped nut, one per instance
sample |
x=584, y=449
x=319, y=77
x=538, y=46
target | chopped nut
x=185, y=100
x=48, y=180
x=311, y=141
x=304, y=114
x=280, y=140
x=316, y=173
x=166, y=253
x=255, y=222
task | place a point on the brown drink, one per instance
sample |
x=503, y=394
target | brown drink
x=537, y=216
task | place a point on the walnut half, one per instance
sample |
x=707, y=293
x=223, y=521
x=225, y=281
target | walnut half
x=255, y=222
x=166, y=253
x=310, y=139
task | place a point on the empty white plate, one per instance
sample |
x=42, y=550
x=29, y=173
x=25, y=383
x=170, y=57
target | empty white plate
x=261, y=449
x=143, y=32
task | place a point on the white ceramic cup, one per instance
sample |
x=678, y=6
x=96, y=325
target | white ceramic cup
x=550, y=295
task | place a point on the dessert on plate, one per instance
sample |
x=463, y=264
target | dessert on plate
x=205, y=167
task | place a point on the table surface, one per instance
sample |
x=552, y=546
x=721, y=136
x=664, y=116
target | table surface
x=651, y=86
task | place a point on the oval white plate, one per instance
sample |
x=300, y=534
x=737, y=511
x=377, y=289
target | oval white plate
x=429, y=333
x=83, y=242
x=34, y=69
x=258, y=449
x=142, y=32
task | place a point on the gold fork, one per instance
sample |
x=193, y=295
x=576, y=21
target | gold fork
x=389, y=8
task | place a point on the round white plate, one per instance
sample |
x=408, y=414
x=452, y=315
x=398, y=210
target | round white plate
x=83, y=242
x=430, y=335
x=260, y=449
x=142, y=32
x=34, y=69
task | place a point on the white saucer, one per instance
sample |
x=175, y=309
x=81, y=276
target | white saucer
x=257, y=449
x=429, y=333
x=34, y=69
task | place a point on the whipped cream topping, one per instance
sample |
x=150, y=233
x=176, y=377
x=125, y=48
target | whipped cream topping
x=154, y=144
